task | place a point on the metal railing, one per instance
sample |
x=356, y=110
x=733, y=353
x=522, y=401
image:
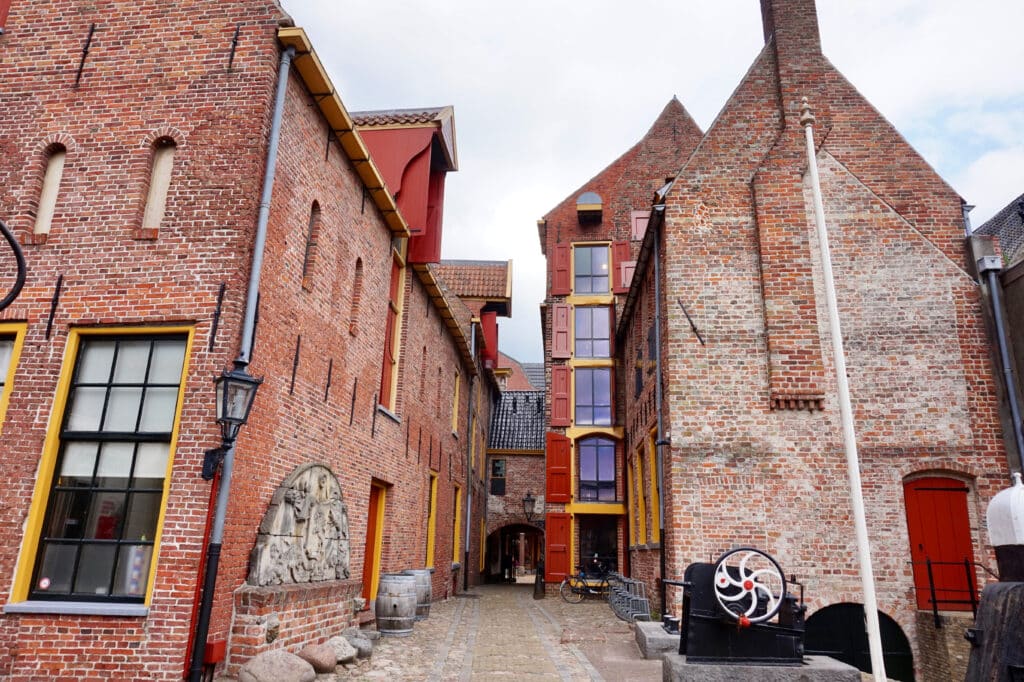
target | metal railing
x=970, y=592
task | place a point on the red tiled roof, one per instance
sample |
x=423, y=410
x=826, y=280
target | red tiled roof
x=475, y=278
x=400, y=116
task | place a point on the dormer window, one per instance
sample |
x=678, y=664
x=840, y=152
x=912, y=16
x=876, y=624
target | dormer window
x=588, y=208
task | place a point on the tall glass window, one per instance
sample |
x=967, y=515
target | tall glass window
x=597, y=469
x=593, y=332
x=590, y=269
x=107, y=492
x=593, y=396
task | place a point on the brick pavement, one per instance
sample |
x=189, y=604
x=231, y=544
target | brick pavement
x=500, y=632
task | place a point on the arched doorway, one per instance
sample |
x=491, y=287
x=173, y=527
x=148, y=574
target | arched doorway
x=838, y=631
x=512, y=551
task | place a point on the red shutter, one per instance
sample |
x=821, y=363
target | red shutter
x=5, y=6
x=560, y=271
x=620, y=255
x=489, y=323
x=639, y=220
x=559, y=395
x=561, y=345
x=557, y=538
x=559, y=472
x=939, y=530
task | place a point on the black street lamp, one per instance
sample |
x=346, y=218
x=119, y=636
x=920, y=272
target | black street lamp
x=529, y=507
x=236, y=392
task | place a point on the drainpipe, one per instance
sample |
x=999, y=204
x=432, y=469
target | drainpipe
x=990, y=266
x=469, y=462
x=658, y=398
x=244, y=355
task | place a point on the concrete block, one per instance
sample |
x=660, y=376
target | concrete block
x=654, y=641
x=675, y=668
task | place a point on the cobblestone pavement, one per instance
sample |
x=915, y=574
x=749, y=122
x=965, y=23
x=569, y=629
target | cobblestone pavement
x=499, y=632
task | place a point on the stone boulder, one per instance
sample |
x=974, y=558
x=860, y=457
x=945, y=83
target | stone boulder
x=275, y=666
x=359, y=641
x=320, y=656
x=343, y=651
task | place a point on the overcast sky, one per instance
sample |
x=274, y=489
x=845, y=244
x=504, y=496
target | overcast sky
x=548, y=92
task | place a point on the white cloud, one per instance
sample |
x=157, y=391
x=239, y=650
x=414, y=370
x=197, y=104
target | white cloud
x=546, y=94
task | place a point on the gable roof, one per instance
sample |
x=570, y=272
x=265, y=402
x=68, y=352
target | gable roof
x=1008, y=225
x=518, y=421
x=488, y=283
x=439, y=118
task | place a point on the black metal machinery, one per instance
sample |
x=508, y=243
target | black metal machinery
x=728, y=606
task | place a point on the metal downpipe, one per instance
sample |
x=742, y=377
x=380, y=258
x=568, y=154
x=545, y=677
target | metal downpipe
x=248, y=327
x=1004, y=359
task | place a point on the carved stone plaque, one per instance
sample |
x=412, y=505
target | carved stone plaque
x=303, y=537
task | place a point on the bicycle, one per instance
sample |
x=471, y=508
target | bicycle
x=578, y=585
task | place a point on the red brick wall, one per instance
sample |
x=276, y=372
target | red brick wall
x=741, y=473
x=138, y=83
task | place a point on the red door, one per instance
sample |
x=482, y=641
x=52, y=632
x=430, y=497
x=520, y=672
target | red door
x=557, y=535
x=939, y=531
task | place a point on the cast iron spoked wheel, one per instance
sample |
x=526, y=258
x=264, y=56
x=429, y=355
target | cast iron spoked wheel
x=12, y=268
x=749, y=585
x=571, y=590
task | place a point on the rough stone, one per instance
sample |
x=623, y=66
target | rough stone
x=320, y=656
x=654, y=641
x=275, y=666
x=273, y=627
x=343, y=651
x=675, y=668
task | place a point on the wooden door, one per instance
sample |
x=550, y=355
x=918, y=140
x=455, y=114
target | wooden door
x=940, y=531
x=374, y=534
x=558, y=538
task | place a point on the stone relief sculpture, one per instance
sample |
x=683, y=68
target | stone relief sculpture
x=304, y=535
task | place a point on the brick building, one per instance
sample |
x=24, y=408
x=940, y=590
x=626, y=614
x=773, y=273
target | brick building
x=135, y=145
x=729, y=369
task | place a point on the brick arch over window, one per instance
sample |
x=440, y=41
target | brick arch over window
x=160, y=150
x=43, y=162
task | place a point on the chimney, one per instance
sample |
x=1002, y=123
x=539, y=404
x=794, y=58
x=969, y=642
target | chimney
x=794, y=26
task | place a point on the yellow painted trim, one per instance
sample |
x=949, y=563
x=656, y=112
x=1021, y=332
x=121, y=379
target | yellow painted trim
x=631, y=508
x=616, y=508
x=48, y=461
x=455, y=403
x=457, y=525
x=314, y=76
x=18, y=330
x=483, y=544
x=431, y=520
x=588, y=207
x=577, y=432
x=378, y=542
x=591, y=300
x=638, y=462
x=472, y=443
x=396, y=339
x=593, y=362
x=655, y=500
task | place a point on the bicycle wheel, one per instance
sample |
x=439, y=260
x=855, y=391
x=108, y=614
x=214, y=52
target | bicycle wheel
x=604, y=588
x=569, y=591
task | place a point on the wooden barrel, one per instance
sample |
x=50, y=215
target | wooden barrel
x=423, y=590
x=395, y=607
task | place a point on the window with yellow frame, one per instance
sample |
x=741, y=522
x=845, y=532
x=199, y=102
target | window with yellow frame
x=12, y=336
x=456, y=524
x=95, y=523
x=455, y=404
x=652, y=471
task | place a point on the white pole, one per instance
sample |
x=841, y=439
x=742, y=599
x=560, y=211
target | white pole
x=845, y=411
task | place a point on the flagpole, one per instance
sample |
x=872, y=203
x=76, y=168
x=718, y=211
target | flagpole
x=845, y=410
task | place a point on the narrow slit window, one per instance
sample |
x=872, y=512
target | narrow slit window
x=309, y=257
x=51, y=188
x=159, y=184
x=357, y=294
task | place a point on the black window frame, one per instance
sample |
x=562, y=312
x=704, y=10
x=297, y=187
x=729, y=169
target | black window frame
x=91, y=498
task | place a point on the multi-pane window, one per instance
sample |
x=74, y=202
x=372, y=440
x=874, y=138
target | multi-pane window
x=594, y=396
x=597, y=469
x=592, y=332
x=497, y=476
x=107, y=492
x=590, y=270
x=6, y=353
